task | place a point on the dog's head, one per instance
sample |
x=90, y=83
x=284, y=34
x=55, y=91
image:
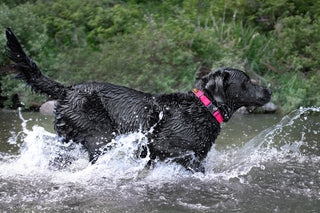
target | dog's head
x=233, y=88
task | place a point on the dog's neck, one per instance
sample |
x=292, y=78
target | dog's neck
x=221, y=112
x=210, y=106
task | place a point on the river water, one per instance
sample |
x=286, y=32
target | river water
x=260, y=163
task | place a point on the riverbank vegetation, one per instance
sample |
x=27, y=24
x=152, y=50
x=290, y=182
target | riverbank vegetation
x=164, y=46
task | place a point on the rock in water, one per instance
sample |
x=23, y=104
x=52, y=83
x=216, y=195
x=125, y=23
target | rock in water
x=269, y=107
x=48, y=108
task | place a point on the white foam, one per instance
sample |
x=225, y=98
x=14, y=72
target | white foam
x=122, y=161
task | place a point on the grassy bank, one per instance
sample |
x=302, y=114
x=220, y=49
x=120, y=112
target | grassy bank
x=163, y=46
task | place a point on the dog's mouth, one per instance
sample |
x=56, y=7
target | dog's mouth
x=266, y=97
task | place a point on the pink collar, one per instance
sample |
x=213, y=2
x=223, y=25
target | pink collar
x=205, y=100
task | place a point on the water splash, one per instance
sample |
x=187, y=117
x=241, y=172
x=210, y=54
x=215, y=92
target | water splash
x=293, y=140
x=281, y=161
x=280, y=141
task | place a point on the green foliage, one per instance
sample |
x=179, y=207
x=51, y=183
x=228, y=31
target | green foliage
x=13, y=3
x=299, y=43
x=243, y=47
x=163, y=46
x=27, y=26
x=313, y=94
x=299, y=57
x=32, y=32
x=73, y=23
x=18, y=95
x=266, y=14
x=148, y=60
x=295, y=91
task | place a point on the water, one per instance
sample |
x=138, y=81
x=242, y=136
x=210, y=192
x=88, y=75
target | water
x=260, y=163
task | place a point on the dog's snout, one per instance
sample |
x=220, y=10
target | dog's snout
x=267, y=94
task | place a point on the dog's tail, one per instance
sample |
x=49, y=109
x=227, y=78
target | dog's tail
x=29, y=71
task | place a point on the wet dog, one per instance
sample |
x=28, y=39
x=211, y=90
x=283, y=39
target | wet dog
x=180, y=127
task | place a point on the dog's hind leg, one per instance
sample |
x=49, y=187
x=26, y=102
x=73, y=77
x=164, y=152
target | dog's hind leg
x=96, y=146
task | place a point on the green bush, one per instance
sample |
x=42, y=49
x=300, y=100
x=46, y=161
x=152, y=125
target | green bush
x=163, y=46
x=32, y=34
x=313, y=98
x=298, y=58
x=299, y=43
x=147, y=60
x=75, y=23
x=266, y=14
x=19, y=95
x=26, y=25
x=290, y=91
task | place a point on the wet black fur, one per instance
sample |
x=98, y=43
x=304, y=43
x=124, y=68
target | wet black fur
x=178, y=126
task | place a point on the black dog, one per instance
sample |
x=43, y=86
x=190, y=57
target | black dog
x=179, y=126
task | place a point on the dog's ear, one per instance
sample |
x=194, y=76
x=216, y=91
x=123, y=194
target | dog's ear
x=217, y=81
x=215, y=84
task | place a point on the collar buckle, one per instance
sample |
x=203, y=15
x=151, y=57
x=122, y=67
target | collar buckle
x=211, y=107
